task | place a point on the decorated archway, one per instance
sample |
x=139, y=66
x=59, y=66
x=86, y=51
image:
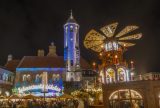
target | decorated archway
x=125, y=98
x=122, y=75
x=110, y=75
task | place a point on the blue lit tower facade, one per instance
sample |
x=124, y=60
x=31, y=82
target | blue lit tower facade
x=71, y=50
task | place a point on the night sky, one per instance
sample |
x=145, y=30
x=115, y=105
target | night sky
x=29, y=25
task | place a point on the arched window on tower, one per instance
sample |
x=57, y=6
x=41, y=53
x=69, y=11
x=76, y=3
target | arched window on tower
x=71, y=28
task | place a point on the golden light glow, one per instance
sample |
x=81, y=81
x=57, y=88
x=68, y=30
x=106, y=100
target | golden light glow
x=94, y=64
x=127, y=44
x=109, y=29
x=126, y=30
x=132, y=37
x=102, y=46
x=116, y=56
x=97, y=41
x=132, y=62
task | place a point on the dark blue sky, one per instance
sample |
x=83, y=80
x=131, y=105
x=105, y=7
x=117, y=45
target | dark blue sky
x=27, y=25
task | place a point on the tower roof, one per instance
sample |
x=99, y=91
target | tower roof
x=71, y=18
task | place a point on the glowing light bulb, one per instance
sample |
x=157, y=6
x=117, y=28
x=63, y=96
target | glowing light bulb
x=116, y=56
x=94, y=63
x=132, y=62
x=102, y=46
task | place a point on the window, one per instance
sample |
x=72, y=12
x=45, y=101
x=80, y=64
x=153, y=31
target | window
x=55, y=77
x=58, y=76
x=24, y=77
x=125, y=98
x=28, y=77
x=38, y=78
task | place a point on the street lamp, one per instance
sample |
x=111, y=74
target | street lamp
x=45, y=83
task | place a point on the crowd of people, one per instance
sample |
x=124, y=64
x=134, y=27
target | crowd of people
x=68, y=103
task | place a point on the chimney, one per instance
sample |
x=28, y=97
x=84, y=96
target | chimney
x=10, y=57
x=52, y=50
x=40, y=52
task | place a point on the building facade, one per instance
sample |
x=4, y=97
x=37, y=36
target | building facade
x=31, y=72
x=6, y=81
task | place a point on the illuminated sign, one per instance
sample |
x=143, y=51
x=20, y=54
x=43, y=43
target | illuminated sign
x=41, y=86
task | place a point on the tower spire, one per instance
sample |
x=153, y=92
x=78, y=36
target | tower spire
x=71, y=14
x=71, y=18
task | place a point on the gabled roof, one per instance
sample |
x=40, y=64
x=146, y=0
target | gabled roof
x=12, y=65
x=47, y=61
x=41, y=62
x=4, y=69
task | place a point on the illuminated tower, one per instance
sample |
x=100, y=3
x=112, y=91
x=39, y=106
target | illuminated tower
x=71, y=49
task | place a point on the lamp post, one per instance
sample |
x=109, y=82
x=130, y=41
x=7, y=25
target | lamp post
x=45, y=83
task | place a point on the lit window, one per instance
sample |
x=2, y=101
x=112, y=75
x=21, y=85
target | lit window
x=127, y=98
x=71, y=27
x=66, y=27
x=24, y=77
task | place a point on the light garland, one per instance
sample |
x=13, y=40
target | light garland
x=41, y=86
